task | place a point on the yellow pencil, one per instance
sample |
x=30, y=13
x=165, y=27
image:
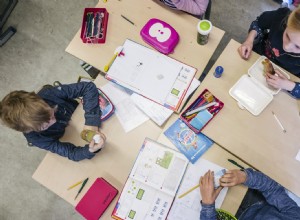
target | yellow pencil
x=76, y=184
x=187, y=192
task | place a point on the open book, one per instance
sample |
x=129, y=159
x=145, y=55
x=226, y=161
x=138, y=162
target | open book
x=152, y=184
x=151, y=74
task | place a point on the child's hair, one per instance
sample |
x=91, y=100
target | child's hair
x=294, y=19
x=24, y=111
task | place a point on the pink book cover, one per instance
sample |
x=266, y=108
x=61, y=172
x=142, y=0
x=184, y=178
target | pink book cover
x=94, y=203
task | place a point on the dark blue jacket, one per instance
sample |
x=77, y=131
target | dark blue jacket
x=63, y=97
x=278, y=204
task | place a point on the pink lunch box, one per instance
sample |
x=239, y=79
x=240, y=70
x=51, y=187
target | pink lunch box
x=160, y=35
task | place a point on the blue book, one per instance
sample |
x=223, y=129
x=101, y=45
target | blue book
x=189, y=143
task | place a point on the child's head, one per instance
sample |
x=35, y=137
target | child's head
x=291, y=35
x=25, y=111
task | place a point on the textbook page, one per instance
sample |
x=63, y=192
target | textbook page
x=189, y=206
x=151, y=74
x=152, y=184
x=128, y=114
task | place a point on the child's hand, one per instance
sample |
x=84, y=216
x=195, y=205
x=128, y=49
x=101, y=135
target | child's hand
x=233, y=178
x=93, y=147
x=207, y=189
x=279, y=81
x=245, y=50
x=92, y=128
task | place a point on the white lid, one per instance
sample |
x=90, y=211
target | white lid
x=250, y=96
x=207, y=27
x=257, y=72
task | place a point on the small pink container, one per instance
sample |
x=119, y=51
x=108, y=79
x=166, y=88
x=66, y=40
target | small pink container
x=160, y=35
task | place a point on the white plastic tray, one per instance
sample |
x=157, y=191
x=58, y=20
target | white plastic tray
x=257, y=72
x=250, y=96
x=252, y=91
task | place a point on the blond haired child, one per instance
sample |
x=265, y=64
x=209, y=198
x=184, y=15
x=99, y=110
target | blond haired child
x=43, y=117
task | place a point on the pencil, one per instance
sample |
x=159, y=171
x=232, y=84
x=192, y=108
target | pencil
x=127, y=19
x=235, y=163
x=82, y=186
x=76, y=184
x=187, y=192
x=281, y=126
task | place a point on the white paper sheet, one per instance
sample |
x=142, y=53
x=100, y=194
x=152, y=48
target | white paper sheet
x=158, y=113
x=128, y=114
x=189, y=206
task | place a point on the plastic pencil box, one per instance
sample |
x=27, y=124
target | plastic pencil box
x=94, y=25
x=106, y=106
x=160, y=35
x=201, y=111
x=251, y=91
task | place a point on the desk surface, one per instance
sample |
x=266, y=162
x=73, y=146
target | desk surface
x=258, y=140
x=187, y=50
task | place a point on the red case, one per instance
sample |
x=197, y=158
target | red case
x=94, y=39
x=200, y=101
x=94, y=203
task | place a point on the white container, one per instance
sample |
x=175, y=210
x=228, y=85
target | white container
x=252, y=91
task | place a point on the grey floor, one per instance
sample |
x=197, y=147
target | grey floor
x=35, y=56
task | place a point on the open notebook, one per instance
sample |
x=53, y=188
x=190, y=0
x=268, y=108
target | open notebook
x=151, y=74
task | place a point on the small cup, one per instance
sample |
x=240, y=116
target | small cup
x=204, y=27
x=218, y=71
x=88, y=135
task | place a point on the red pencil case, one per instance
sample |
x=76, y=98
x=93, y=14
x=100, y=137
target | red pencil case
x=94, y=25
x=96, y=200
x=201, y=111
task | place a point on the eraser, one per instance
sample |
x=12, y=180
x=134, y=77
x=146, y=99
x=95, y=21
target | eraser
x=217, y=177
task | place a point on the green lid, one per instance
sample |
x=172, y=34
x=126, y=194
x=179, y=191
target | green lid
x=204, y=25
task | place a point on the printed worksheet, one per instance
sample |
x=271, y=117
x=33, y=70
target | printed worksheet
x=152, y=183
x=189, y=206
x=151, y=74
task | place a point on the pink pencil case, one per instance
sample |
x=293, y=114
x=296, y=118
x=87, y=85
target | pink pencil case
x=160, y=35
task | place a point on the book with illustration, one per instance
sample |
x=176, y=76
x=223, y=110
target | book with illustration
x=189, y=143
x=152, y=184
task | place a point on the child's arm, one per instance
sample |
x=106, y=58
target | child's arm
x=273, y=192
x=64, y=149
x=195, y=7
x=88, y=91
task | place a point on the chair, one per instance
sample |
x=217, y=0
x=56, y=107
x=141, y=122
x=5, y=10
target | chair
x=10, y=4
x=208, y=10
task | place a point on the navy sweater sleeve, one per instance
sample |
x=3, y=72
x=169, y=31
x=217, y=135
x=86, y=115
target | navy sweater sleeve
x=64, y=149
x=88, y=91
x=273, y=192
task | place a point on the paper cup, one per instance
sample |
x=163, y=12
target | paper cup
x=204, y=27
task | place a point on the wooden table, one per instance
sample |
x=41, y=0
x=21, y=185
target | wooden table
x=113, y=163
x=258, y=140
x=139, y=12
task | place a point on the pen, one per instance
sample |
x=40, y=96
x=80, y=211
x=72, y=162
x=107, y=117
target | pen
x=127, y=19
x=278, y=122
x=82, y=186
x=200, y=108
x=187, y=192
x=235, y=163
x=76, y=184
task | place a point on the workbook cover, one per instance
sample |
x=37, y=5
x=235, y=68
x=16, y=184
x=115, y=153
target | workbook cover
x=189, y=143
